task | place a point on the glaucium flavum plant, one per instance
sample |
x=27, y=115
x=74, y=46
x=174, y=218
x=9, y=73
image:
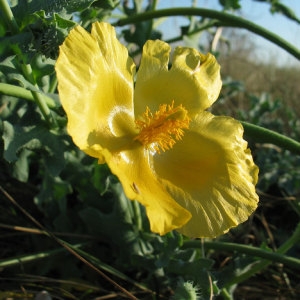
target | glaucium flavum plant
x=190, y=169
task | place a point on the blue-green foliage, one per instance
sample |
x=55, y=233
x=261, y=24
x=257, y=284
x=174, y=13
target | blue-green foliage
x=277, y=166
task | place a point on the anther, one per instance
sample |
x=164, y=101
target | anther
x=160, y=130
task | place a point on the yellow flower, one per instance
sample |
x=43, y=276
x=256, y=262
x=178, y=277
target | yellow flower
x=190, y=169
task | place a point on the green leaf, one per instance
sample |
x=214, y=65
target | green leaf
x=106, y=4
x=116, y=225
x=230, y=4
x=23, y=7
x=10, y=71
x=21, y=167
x=52, y=196
x=35, y=138
x=197, y=271
x=186, y=290
x=278, y=7
x=6, y=43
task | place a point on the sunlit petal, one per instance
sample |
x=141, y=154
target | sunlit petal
x=193, y=79
x=141, y=183
x=95, y=78
x=212, y=174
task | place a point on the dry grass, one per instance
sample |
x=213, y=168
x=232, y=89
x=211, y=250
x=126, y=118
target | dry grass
x=240, y=62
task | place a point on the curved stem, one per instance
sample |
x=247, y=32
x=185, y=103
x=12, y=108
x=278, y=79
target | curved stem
x=208, y=25
x=264, y=263
x=295, y=238
x=53, y=85
x=225, y=294
x=137, y=215
x=228, y=20
x=261, y=134
x=19, y=92
x=255, y=252
x=179, y=38
x=22, y=259
x=27, y=71
x=249, y=250
x=9, y=17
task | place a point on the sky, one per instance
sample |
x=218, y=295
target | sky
x=258, y=13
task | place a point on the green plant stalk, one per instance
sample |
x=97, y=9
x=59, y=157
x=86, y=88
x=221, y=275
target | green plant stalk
x=8, y=16
x=11, y=262
x=263, y=135
x=226, y=19
x=53, y=85
x=27, y=71
x=137, y=215
x=198, y=30
x=19, y=92
x=101, y=265
x=249, y=250
x=295, y=238
x=255, y=252
x=264, y=263
x=44, y=109
x=226, y=294
x=150, y=28
x=191, y=33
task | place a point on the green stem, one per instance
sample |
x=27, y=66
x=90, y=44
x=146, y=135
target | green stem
x=228, y=20
x=255, y=252
x=53, y=85
x=19, y=92
x=189, y=34
x=137, y=214
x=198, y=30
x=101, y=265
x=150, y=26
x=295, y=238
x=16, y=261
x=44, y=108
x=263, y=135
x=249, y=250
x=225, y=294
x=8, y=16
x=27, y=71
x=264, y=263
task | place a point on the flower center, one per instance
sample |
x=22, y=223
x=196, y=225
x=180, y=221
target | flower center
x=161, y=130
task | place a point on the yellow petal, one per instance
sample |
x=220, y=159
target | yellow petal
x=95, y=78
x=211, y=173
x=193, y=79
x=141, y=183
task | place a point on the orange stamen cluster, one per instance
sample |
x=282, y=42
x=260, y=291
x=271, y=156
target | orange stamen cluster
x=161, y=130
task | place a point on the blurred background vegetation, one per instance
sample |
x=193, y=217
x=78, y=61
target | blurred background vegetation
x=66, y=229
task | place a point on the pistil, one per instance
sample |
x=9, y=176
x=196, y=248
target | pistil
x=159, y=131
